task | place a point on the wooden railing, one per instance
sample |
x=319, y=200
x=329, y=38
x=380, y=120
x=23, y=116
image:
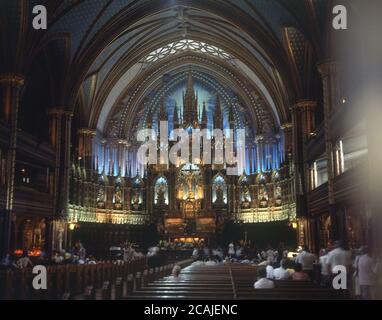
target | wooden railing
x=65, y=281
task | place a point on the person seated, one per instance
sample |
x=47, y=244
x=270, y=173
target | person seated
x=245, y=260
x=91, y=260
x=58, y=258
x=7, y=261
x=210, y=262
x=269, y=269
x=24, y=262
x=197, y=263
x=175, y=273
x=298, y=274
x=282, y=273
x=195, y=254
x=262, y=282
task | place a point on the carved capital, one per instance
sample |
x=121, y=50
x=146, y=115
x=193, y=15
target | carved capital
x=87, y=132
x=59, y=111
x=287, y=126
x=305, y=105
x=326, y=68
x=14, y=79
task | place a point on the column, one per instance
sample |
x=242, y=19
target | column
x=328, y=72
x=11, y=85
x=86, y=147
x=60, y=138
x=287, y=128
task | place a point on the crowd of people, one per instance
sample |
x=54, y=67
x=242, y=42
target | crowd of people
x=76, y=255
x=363, y=269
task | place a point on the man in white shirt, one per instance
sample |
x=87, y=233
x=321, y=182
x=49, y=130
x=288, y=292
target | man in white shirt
x=263, y=282
x=271, y=256
x=325, y=275
x=306, y=259
x=269, y=269
x=281, y=273
x=339, y=257
x=367, y=275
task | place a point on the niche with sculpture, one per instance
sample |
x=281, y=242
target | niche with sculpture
x=161, y=192
x=117, y=198
x=219, y=191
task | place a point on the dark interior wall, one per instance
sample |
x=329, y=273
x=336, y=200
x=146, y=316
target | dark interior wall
x=98, y=238
x=261, y=234
x=35, y=101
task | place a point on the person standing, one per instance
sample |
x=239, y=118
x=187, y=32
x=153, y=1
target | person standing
x=339, y=257
x=356, y=286
x=231, y=250
x=306, y=259
x=367, y=275
x=325, y=275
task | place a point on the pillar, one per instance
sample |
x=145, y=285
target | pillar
x=11, y=85
x=86, y=147
x=60, y=138
x=328, y=72
x=288, y=135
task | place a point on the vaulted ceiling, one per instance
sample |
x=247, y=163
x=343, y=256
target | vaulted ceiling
x=93, y=53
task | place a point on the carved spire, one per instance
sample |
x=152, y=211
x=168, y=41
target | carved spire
x=149, y=121
x=176, y=116
x=190, y=85
x=218, y=123
x=204, y=116
x=231, y=118
x=163, y=111
x=190, y=102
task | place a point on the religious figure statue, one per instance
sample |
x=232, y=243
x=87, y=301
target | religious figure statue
x=263, y=196
x=136, y=198
x=101, y=194
x=246, y=197
x=60, y=238
x=278, y=196
x=161, y=200
x=118, y=196
x=219, y=195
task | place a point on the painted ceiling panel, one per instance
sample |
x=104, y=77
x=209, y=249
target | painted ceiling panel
x=115, y=92
x=113, y=9
x=275, y=14
x=78, y=20
x=297, y=44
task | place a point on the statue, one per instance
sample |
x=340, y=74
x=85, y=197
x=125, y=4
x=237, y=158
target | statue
x=101, y=194
x=161, y=199
x=263, y=196
x=118, y=196
x=219, y=195
x=60, y=237
x=136, y=198
x=246, y=197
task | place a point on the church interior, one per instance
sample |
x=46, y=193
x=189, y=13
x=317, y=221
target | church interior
x=75, y=98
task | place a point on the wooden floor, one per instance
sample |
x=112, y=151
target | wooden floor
x=229, y=282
